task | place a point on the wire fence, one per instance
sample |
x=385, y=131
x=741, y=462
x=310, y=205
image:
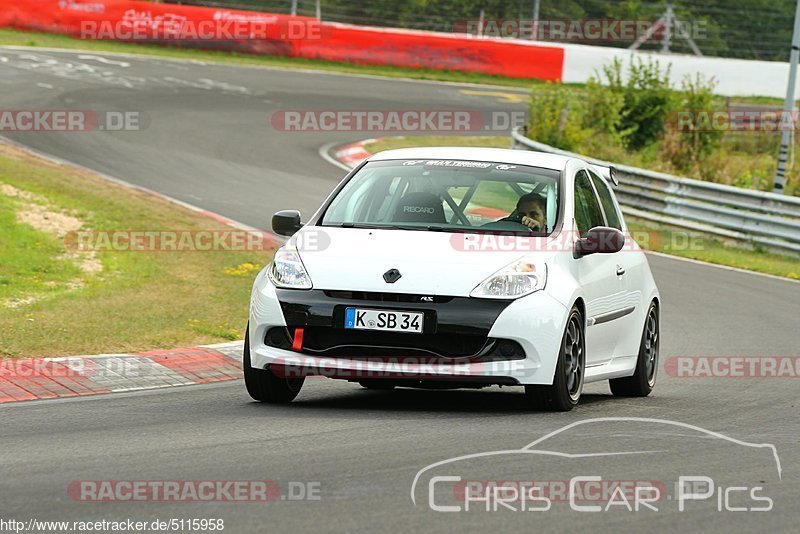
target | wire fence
x=749, y=29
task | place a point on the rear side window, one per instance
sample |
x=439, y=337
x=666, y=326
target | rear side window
x=587, y=209
x=612, y=217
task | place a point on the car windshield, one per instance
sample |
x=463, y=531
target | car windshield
x=448, y=195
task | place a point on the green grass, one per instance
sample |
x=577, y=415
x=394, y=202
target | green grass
x=391, y=143
x=697, y=246
x=27, y=258
x=651, y=236
x=50, y=306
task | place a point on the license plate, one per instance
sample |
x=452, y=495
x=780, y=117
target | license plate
x=391, y=321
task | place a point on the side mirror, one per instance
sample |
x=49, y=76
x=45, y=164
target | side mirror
x=286, y=222
x=600, y=239
x=612, y=175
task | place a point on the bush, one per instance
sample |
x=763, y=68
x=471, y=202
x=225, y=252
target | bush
x=556, y=117
x=689, y=142
x=605, y=109
x=634, y=120
x=647, y=100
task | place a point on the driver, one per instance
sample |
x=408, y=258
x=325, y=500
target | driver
x=531, y=211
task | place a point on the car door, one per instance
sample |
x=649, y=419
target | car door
x=629, y=264
x=603, y=288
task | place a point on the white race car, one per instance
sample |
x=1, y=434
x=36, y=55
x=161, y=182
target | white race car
x=458, y=267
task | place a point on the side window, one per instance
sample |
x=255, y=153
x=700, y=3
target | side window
x=587, y=209
x=607, y=201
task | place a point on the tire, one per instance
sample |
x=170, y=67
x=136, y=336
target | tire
x=644, y=378
x=262, y=384
x=377, y=384
x=565, y=391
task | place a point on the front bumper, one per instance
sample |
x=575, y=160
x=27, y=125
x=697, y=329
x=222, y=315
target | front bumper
x=465, y=340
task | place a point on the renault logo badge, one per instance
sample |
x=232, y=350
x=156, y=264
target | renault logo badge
x=391, y=276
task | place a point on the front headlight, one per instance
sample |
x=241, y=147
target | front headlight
x=521, y=278
x=287, y=270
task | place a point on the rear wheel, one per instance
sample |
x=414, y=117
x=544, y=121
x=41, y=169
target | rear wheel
x=565, y=391
x=644, y=378
x=263, y=385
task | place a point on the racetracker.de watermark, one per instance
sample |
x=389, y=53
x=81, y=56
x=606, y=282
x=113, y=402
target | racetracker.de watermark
x=394, y=367
x=223, y=26
x=734, y=120
x=579, y=30
x=169, y=241
x=191, y=491
x=733, y=366
x=395, y=120
x=71, y=120
x=70, y=367
x=565, y=241
x=317, y=238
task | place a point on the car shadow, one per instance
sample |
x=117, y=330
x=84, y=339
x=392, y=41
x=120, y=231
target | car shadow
x=498, y=401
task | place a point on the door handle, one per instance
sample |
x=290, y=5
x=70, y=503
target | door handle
x=620, y=270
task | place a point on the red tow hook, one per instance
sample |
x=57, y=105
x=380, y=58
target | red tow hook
x=297, y=343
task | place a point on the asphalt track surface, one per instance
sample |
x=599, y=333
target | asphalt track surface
x=209, y=142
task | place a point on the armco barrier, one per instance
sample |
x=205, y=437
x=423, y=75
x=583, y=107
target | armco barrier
x=328, y=41
x=757, y=217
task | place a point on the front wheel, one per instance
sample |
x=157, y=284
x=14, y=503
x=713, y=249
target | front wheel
x=565, y=391
x=263, y=385
x=644, y=378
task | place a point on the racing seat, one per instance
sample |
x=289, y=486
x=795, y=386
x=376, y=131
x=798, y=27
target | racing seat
x=425, y=208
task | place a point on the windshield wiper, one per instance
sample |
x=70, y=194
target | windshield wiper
x=368, y=226
x=430, y=228
x=439, y=228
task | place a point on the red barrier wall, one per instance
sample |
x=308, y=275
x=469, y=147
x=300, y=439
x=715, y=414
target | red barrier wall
x=436, y=51
x=289, y=36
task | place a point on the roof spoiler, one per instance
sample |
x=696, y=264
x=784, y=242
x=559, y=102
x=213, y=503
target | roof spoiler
x=609, y=172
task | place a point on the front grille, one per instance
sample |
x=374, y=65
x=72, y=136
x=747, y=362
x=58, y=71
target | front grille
x=453, y=327
x=338, y=342
x=424, y=348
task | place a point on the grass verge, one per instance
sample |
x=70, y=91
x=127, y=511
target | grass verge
x=391, y=143
x=654, y=236
x=56, y=299
x=698, y=246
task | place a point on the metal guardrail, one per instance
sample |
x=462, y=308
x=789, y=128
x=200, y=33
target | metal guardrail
x=754, y=217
